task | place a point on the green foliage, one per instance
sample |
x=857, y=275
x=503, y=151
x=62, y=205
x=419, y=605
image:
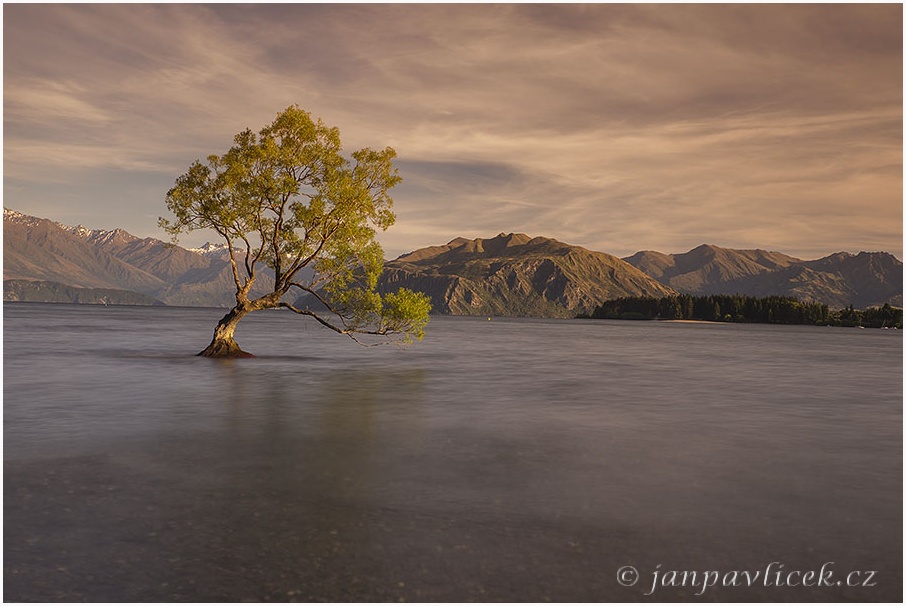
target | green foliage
x=406, y=311
x=741, y=308
x=287, y=198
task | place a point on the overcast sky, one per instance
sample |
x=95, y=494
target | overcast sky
x=616, y=127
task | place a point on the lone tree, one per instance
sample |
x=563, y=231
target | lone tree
x=286, y=199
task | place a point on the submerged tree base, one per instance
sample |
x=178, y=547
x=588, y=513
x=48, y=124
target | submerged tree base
x=224, y=349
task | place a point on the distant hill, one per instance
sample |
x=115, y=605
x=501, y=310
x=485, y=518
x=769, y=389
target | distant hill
x=838, y=280
x=54, y=292
x=516, y=275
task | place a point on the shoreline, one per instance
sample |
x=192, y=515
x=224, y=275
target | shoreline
x=694, y=321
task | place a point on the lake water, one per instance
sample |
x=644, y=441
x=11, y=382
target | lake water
x=511, y=460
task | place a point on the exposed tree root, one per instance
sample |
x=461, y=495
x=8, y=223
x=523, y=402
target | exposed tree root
x=224, y=348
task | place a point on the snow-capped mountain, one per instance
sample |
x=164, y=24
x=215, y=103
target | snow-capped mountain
x=208, y=248
x=97, y=236
x=14, y=216
x=213, y=251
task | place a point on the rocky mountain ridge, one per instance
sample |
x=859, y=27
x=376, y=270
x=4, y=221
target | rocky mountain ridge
x=515, y=275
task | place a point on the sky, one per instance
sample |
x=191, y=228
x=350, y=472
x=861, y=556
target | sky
x=614, y=127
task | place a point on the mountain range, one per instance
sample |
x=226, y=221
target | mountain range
x=511, y=274
x=838, y=280
x=41, y=250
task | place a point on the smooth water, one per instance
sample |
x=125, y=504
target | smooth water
x=510, y=460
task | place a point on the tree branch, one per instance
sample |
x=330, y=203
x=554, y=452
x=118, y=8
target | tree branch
x=235, y=268
x=323, y=301
x=278, y=227
x=260, y=235
x=299, y=264
x=249, y=267
x=349, y=332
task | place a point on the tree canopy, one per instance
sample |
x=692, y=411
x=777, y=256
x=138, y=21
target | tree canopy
x=287, y=198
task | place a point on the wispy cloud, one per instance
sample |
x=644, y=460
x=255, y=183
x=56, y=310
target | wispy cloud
x=617, y=127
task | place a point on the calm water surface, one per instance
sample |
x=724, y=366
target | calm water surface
x=511, y=460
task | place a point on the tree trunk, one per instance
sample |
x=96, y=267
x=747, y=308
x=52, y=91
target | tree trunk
x=223, y=345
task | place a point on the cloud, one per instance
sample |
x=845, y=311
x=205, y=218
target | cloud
x=37, y=101
x=617, y=127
